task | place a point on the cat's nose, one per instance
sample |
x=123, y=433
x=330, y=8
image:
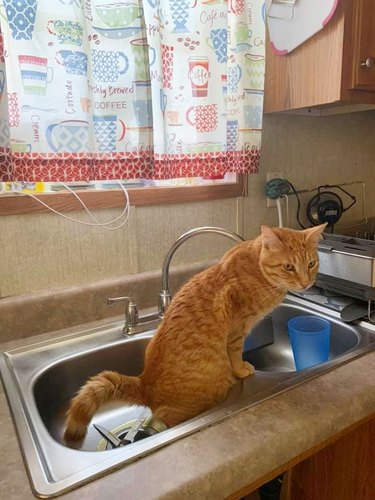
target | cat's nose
x=305, y=284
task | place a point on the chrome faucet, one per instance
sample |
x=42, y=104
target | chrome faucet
x=165, y=295
x=131, y=311
x=133, y=324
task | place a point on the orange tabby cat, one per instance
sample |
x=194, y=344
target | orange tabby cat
x=195, y=356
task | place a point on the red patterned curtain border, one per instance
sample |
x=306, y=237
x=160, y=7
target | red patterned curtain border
x=54, y=167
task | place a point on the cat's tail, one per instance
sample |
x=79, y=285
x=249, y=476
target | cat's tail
x=103, y=388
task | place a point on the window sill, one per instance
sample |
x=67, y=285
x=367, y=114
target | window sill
x=16, y=204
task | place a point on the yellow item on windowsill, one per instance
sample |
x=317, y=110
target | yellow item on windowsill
x=23, y=187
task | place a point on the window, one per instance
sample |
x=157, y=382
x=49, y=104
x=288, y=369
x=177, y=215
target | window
x=97, y=196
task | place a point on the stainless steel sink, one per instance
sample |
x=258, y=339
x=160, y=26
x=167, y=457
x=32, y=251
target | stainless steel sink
x=269, y=350
x=42, y=378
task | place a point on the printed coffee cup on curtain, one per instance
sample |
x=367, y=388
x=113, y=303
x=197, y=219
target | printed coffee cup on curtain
x=255, y=68
x=105, y=129
x=143, y=113
x=236, y=6
x=180, y=15
x=203, y=118
x=173, y=118
x=119, y=14
x=68, y=136
x=198, y=75
x=232, y=135
x=35, y=74
x=252, y=117
x=109, y=65
x=74, y=61
x=144, y=57
x=218, y=42
x=242, y=35
x=21, y=17
x=67, y=32
x=234, y=74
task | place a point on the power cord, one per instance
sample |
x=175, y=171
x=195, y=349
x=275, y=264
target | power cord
x=298, y=204
x=96, y=223
x=276, y=189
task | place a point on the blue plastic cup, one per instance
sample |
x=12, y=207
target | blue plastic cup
x=309, y=336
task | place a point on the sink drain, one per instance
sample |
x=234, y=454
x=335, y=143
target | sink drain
x=148, y=428
x=120, y=432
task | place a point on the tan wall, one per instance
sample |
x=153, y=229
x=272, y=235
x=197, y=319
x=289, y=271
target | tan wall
x=45, y=251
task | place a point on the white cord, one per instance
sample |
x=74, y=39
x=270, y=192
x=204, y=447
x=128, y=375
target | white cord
x=126, y=209
x=287, y=209
x=279, y=211
x=97, y=223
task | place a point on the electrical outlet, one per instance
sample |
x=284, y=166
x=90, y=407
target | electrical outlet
x=270, y=176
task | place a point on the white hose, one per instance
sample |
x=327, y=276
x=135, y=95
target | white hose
x=286, y=209
x=279, y=211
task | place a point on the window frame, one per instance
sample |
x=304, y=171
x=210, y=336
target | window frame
x=62, y=201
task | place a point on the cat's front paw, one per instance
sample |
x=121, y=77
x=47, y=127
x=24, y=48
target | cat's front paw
x=243, y=370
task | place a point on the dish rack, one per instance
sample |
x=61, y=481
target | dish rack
x=364, y=229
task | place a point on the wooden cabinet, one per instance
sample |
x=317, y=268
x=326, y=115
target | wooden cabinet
x=363, y=74
x=345, y=470
x=329, y=70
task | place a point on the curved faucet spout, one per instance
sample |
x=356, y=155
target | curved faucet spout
x=165, y=296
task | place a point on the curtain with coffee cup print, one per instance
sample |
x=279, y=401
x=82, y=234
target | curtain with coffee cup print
x=102, y=89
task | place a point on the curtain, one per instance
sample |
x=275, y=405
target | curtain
x=101, y=89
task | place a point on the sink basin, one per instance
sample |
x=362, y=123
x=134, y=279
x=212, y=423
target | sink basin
x=41, y=379
x=268, y=347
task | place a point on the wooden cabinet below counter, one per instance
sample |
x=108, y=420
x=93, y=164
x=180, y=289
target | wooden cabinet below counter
x=331, y=72
x=345, y=470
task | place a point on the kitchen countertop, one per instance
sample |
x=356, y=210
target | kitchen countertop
x=218, y=461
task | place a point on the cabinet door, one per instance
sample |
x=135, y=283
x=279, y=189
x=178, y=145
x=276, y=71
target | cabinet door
x=344, y=470
x=364, y=45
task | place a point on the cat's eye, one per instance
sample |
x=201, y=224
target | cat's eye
x=289, y=267
x=311, y=263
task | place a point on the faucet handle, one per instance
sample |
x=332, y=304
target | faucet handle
x=131, y=311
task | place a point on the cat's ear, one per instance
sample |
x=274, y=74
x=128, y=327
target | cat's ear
x=270, y=240
x=314, y=234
